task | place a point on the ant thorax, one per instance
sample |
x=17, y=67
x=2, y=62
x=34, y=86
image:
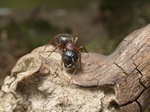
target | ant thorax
x=70, y=46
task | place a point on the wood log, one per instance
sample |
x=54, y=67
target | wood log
x=113, y=83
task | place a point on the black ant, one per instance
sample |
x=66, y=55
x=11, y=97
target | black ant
x=70, y=53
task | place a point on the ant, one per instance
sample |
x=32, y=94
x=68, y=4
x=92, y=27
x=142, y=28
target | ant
x=70, y=53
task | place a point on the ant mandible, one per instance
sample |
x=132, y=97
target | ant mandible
x=70, y=53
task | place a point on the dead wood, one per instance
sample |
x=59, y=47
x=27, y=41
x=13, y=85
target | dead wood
x=118, y=82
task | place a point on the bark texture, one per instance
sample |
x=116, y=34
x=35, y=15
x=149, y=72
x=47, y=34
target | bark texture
x=118, y=82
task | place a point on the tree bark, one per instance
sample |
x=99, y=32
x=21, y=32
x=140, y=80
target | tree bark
x=118, y=82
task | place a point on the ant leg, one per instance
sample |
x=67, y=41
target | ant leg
x=82, y=47
x=58, y=42
x=79, y=62
x=62, y=64
x=54, y=49
x=80, y=59
x=56, y=39
x=48, y=44
x=72, y=76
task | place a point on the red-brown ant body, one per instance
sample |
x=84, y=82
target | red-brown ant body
x=70, y=53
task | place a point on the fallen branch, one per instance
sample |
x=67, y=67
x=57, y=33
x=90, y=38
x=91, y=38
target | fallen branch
x=118, y=82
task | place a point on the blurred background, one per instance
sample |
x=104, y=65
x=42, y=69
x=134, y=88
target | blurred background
x=100, y=25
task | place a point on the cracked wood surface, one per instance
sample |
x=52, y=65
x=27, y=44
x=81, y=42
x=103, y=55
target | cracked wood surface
x=126, y=71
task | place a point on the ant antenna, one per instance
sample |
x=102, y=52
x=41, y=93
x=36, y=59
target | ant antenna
x=75, y=40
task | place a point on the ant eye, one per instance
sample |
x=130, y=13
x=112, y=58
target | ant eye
x=67, y=60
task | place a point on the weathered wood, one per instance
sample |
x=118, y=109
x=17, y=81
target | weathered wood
x=118, y=82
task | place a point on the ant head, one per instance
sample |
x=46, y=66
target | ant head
x=69, y=57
